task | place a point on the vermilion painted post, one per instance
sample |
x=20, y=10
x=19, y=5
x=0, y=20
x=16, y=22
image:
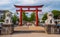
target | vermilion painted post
x=36, y=16
x=20, y=20
x=21, y=17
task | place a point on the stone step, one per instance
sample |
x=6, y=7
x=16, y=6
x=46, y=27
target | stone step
x=29, y=28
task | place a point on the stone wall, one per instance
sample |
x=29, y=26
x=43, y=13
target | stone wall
x=7, y=29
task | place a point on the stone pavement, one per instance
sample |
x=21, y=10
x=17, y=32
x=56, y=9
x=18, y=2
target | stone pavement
x=31, y=34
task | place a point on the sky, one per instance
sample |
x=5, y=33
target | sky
x=49, y=5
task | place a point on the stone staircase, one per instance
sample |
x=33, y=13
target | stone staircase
x=29, y=28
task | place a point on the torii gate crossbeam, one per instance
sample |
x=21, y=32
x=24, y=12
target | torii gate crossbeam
x=36, y=7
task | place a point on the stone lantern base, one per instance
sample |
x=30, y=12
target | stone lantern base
x=50, y=29
x=7, y=29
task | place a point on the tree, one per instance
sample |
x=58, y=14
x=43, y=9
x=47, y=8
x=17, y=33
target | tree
x=32, y=18
x=44, y=17
x=56, y=13
x=14, y=19
x=24, y=17
x=29, y=19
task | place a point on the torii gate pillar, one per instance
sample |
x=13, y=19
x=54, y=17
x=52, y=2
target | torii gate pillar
x=20, y=23
x=36, y=17
x=36, y=9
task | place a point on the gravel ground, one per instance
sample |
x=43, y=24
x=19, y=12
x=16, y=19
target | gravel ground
x=31, y=34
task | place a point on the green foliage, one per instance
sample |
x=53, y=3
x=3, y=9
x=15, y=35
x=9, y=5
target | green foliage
x=1, y=20
x=25, y=18
x=32, y=18
x=29, y=19
x=44, y=17
x=14, y=19
x=55, y=12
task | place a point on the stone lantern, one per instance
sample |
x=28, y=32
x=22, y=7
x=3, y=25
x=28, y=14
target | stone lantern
x=8, y=18
x=50, y=23
x=7, y=25
x=50, y=19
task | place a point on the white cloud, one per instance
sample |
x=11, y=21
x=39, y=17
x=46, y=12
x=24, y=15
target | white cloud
x=46, y=9
x=27, y=2
x=48, y=4
x=3, y=2
x=31, y=2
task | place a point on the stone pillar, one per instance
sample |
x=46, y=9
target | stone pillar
x=7, y=29
x=50, y=24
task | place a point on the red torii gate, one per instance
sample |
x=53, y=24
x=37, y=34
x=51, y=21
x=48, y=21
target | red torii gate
x=36, y=9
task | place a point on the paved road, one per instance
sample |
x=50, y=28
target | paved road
x=31, y=34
